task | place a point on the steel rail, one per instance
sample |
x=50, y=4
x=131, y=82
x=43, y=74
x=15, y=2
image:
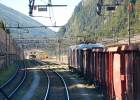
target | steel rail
x=48, y=85
x=62, y=80
x=25, y=74
x=11, y=77
x=47, y=91
x=64, y=84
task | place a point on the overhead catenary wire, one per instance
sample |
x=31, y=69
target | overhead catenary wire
x=5, y=20
x=53, y=17
x=33, y=27
x=8, y=17
x=50, y=13
x=42, y=21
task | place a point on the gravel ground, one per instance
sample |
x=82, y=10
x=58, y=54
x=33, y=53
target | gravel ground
x=57, y=90
x=78, y=88
x=92, y=92
x=77, y=91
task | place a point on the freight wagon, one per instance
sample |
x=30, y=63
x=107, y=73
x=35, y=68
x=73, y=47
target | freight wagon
x=115, y=70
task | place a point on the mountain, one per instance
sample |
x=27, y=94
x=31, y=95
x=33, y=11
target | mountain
x=85, y=17
x=11, y=18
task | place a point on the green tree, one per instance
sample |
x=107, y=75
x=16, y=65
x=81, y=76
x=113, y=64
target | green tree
x=2, y=25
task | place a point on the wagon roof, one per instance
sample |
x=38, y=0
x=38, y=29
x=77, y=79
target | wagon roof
x=88, y=46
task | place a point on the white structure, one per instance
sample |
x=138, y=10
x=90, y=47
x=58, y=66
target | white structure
x=35, y=54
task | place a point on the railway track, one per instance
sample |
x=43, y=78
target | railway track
x=56, y=87
x=8, y=89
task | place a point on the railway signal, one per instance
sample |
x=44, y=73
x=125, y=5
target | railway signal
x=99, y=6
x=110, y=7
x=31, y=5
x=40, y=7
x=130, y=6
x=34, y=8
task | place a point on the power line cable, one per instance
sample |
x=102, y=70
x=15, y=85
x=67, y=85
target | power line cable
x=44, y=1
x=8, y=17
x=5, y=20
x=42, y=21
x=50, y=14
x=53, y=17
x=49, y=10
x=53, y=14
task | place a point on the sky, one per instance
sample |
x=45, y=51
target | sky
x=59, y=15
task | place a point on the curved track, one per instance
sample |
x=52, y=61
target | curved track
x=57, y=88
x=12, y=85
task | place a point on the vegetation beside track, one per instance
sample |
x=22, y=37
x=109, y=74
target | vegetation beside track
x=28, y=81
x=94, y=92
x=5, y=74
x=40, y=90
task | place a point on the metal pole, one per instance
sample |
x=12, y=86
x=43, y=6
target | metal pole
x=95, y=33
x=23, y=50
x=128, y=26
x=62, y=54
x=6, y=45
x=113, y=30
x=16, y=52
x=113, y=36
x=59, y=49
x=20, y=38
x=135, y=36
x=9, y=48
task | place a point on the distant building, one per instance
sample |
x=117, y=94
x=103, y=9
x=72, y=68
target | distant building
x=34, y=54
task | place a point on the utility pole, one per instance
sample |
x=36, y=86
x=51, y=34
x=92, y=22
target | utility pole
x=6, y=46
x=128, y=26
x=135, y=36
x=59, y=48
x=20, y=38
x=113, y=29
x=95, y=33
x=9, y=48
x=16, y=52
x=23, y=48
x=62, y=53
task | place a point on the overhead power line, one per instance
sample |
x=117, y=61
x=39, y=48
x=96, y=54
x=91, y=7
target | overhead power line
x=34, y=27
x=8, y=17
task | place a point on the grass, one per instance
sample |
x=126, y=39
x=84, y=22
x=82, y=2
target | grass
x=5, y=74
x=21, y=95
x=94, y=93
x=72, y=85
x=31, y=77
x=27, y=63
x=30, y=63
x=75, y=86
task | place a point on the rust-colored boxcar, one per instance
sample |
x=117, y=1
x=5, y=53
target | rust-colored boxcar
x=116, y=74
x=132, y=68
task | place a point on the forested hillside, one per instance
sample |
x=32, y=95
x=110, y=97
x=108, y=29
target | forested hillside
x=85, y=16
x=12, y=17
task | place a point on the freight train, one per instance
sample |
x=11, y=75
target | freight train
x=115, y=70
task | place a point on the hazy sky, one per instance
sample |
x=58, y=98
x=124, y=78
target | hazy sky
x=61, y=14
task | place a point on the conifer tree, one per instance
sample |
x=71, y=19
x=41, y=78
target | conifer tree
x=1, y=24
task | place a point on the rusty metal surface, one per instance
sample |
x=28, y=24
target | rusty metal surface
x=115, y=70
